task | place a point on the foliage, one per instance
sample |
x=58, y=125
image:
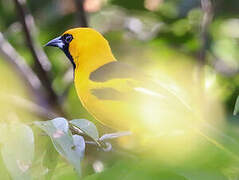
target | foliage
x=164, y=34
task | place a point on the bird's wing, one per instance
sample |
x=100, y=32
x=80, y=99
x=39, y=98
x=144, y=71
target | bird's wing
x=151, y=91
x=127, y=82
x=150, y=102
x=115, y=70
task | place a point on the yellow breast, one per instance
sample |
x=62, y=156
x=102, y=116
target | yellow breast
x=114, y=114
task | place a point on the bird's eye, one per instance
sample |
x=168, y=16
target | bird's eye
x=68, y=38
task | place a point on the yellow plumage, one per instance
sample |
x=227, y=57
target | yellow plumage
x=128, y=111
x=121, y=96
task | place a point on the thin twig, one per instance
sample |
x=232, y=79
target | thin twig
x=81, y=15
x=115, y=135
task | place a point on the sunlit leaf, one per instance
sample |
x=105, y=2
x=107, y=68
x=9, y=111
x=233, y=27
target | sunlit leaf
x=56, y=129
x=18, y=150
x=87, y=127
x=70, y=147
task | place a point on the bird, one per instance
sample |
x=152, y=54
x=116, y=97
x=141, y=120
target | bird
x=120, y=95
x=113, y=92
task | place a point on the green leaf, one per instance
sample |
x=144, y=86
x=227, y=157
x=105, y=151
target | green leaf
x=87, y=127
x=18, y=150
x=236, y=108
x=79, y=145
x=70, y=147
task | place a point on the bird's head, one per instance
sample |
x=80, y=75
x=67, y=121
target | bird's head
x=83, y=44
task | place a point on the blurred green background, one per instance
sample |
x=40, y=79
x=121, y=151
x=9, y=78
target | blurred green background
x=140, y=32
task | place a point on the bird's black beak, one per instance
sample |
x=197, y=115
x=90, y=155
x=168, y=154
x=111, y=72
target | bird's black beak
x=57, y=42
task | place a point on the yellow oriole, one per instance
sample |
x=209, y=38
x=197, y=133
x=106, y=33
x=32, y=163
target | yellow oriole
x=116, y=94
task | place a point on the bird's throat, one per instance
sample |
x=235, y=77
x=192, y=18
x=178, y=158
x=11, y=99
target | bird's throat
x=69, y=56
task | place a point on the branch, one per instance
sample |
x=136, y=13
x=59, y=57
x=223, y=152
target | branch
x=42, y=64
x=11, y=55
x=81, y=15
x=28, y=25
x=39, y=61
